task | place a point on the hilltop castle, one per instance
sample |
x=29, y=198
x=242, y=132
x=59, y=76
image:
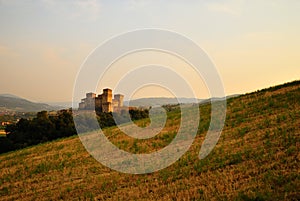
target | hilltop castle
x=103, y=102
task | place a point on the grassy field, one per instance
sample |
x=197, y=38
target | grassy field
x=256, y=158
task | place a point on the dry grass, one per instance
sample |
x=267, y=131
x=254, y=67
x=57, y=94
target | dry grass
x=256, y=158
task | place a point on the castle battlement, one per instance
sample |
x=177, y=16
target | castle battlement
x=103, y=102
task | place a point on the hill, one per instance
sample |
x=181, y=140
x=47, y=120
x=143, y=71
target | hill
x=10, y=96
x=146, y=102
x=10, y=102
x=256, y=158
x=63, y=105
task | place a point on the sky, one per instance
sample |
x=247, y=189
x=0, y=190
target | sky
x=43, y=44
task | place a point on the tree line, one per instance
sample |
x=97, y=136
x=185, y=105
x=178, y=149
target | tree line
x=42, y=128
x=45, y=127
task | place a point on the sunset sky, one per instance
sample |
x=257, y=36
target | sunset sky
x=254, y=44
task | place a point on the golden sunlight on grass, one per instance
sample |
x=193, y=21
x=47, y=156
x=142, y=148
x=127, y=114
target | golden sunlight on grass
x=256, y=158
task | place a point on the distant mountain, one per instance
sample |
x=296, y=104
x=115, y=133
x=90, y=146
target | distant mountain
x=146, y=102
x=10, y=102
x=63, y=105
x=10, y=96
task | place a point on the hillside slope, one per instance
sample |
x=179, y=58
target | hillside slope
x=256, y=158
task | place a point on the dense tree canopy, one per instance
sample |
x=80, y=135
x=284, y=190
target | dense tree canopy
x=40, y=129
x=45, y=127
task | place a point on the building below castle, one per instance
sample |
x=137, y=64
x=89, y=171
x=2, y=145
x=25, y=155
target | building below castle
x=103, y=102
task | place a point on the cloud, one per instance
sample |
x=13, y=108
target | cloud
x=231, y=7
x=70, y=9
x=77, y=9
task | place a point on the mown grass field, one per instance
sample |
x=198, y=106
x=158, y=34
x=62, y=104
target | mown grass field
x=256, y=158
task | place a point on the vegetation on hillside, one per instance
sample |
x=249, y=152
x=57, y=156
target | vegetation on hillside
x=13, y=118
x=256, y=158
x=42, y=128
x=46, y=127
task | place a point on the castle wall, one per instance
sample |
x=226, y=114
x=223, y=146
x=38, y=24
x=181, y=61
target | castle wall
x=81, y=105
x=98, y=103
x=104, y=102
x=107, y=107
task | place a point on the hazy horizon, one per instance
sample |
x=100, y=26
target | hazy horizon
x=253, y=44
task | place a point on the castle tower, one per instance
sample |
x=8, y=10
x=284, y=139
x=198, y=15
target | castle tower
x=107, y=96
x=98, y=103
x=82, y=105
x=103, y=102
x=90, y=101
x=107, y=100
x=91, y=95
x=119, y=98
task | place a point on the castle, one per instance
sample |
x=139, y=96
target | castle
x=103, y=102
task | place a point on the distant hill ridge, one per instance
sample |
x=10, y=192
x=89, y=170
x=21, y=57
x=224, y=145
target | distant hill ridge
x=159, y=101
x=164, y=101
x=9, y=102
x=10, y=96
